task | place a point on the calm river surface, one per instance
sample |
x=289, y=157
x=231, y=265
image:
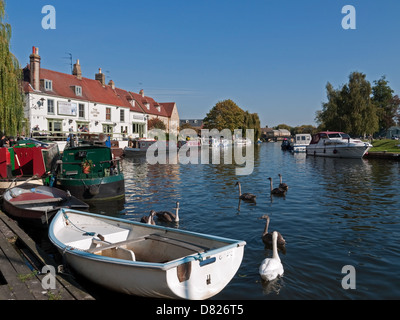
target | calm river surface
x=337, y=212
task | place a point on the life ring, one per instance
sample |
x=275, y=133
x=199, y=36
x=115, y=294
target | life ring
x=334, y=151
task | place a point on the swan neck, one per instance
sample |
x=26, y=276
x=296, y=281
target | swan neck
x=275, y=254
x=240, y=190
x=177, y=215
x=266, y=228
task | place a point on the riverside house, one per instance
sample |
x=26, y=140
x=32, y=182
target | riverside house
x=59, y=103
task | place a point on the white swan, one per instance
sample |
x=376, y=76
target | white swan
x=271, y=268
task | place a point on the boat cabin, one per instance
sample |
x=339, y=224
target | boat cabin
x=329, y=135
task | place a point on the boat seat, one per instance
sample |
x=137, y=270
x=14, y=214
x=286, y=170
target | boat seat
x=179, y=243
x=37, y=201
x=105, y=245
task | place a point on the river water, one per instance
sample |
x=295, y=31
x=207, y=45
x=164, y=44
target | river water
x=337, y=212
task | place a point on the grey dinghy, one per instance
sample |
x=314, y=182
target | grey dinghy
x=145, y=260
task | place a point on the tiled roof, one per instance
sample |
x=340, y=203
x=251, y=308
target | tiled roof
x=93, y=91
x=152, y=105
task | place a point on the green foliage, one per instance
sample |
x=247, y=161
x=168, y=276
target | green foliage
x=156, y=124
x=349, y=108
x=387, y=104
x=228, y=115
x=11, y=96
x=224, y=115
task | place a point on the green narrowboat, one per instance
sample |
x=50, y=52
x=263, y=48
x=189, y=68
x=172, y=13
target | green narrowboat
x=89, y=172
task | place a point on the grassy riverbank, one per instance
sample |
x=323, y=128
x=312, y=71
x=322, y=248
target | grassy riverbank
x=385, y=145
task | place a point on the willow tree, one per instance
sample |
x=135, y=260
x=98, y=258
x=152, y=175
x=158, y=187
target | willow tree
x=11, y=96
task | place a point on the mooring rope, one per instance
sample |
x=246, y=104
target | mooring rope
x=85, y=233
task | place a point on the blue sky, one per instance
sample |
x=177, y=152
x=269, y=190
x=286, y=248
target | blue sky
x=270, y=57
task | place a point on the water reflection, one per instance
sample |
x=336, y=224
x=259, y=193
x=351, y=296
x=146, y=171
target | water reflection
x=330, y=217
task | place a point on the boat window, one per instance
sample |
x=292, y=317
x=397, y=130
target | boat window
x=315, y=139
x=324, y=135
x=345, y=136
x=334, y=135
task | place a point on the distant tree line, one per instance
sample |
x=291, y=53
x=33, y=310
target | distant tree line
x=359, y=108
x=305, y=128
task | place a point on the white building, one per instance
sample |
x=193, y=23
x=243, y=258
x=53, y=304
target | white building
x=57, y=103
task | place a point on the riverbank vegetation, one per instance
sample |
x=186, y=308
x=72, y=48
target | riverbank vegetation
x=359, y=108
x=385, y=145
x=227, y=114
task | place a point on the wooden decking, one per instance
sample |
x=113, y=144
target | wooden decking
x=21, y=263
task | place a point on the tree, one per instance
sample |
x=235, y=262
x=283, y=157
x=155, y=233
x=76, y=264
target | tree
x=228, y=115
x=11, y=96
x=252, y=121
x=156, y=124
x=349, y=108
x=224, y=115
x=387, y=105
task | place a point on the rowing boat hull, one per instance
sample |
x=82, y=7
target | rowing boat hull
x=173, y=271
x=36, y=205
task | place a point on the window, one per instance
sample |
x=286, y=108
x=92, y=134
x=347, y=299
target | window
x=122, y=115
x=55, y=126
x=48, y=85
x=138, y=128
x=50, y=106
x=107, y=129
x=81, y=110
x=108, y=113
x=78, y=90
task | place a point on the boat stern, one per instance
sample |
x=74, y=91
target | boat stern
x=207, y=275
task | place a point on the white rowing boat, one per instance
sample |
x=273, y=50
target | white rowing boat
x=145, y=260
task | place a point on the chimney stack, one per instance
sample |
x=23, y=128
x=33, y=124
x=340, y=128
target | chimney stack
x=77, y=71
x=101, y=77
x=35, y=68
x=111, y=84
x=141, y=92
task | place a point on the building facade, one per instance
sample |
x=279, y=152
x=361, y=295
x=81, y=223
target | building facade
x=59, y=103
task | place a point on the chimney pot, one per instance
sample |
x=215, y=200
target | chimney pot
x=101, y=77
x=111, y=84
x=77, y=71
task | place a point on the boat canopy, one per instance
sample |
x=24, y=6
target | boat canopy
x=328, y=135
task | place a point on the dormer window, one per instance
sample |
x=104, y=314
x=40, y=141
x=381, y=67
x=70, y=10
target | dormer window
x=147, y=106
x=78, y=90
x=47, y=85
x=158, y=108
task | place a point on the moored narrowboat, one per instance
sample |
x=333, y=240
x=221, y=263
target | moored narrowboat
x=90, y=171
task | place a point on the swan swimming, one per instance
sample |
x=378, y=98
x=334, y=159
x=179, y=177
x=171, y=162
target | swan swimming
x=245, y=196
x=167, y=216
x=267, y=236
x=276, y=191
x=149, y=219
x=282, y=185
x=271, y=268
